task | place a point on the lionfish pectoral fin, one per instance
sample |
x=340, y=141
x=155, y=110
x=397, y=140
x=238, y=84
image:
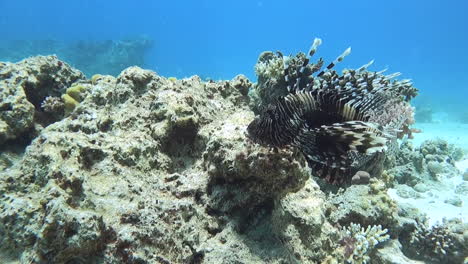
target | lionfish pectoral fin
x=331, y=175
x=358, y=136
x=311, y=143
x=328, y=149
x=329, y=165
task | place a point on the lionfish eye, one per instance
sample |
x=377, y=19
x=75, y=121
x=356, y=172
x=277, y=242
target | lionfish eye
x=270, y=112
x=271, y=115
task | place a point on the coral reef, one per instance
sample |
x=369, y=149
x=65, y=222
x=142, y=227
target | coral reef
x=143, y=170
x=300, y=224
x=391, y=253
x=54, y=105
x=428, y=178
x=138, y=168
x=366, y=205
x=433, y=159
x=361, y=177
x=270, y=84
x=74, y=95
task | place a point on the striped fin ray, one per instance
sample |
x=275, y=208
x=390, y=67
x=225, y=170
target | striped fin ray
x=336, y=61
x=365, y=66
x=336, y=140
x=348, y=103
x=355, y=136
x=317, y=42
x=295, y=75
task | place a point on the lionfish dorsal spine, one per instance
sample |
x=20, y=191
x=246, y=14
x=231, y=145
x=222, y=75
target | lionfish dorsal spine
x=335, y=62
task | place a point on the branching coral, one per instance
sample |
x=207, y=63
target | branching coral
x=52, y=104
x=270, y=67
x=436, y=243
x=396, y=114
x=358, y=242
x=271, y=84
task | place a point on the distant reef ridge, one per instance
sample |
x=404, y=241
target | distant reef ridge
x=90, y=56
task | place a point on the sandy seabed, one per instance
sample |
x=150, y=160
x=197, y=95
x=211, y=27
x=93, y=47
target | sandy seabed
x=433, y=202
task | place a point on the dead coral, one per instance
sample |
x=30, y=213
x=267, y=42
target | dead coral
x=247, y=173
x=299, y=221
x=367, y=205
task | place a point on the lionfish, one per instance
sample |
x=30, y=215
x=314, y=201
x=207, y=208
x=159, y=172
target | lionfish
x=326, y=116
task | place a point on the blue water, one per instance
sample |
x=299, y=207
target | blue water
x=425, y=40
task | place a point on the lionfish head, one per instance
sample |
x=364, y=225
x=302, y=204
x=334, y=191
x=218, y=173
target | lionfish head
x=266, y=128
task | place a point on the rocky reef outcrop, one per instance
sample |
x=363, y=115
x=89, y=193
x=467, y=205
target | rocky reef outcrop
x=25, y=86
